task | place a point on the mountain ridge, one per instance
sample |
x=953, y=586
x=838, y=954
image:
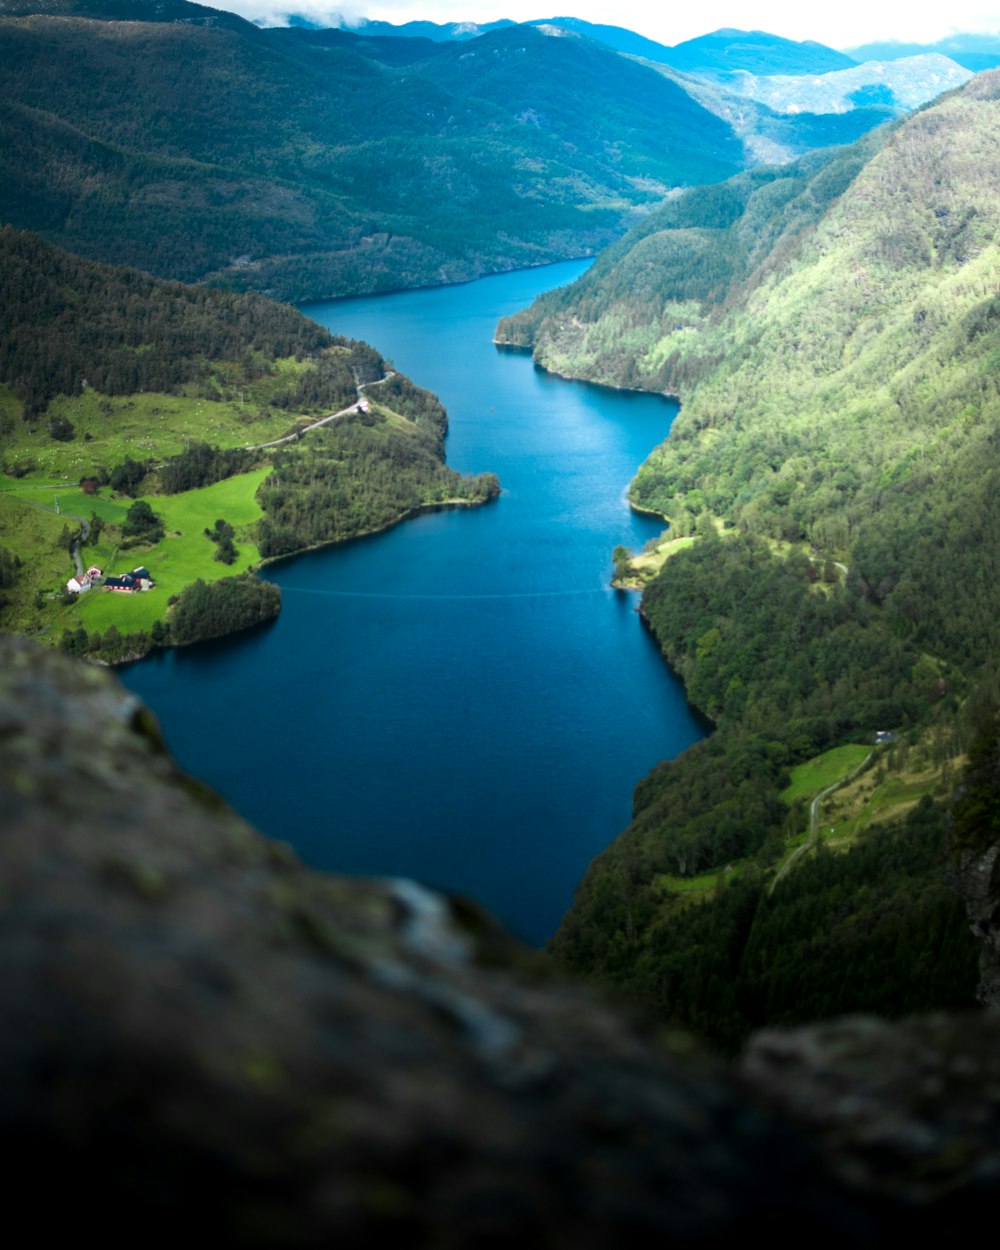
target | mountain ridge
x=337, y=172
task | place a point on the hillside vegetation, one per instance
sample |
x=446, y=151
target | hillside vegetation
x=316, y=163
x=833, y=331
x=151, y=424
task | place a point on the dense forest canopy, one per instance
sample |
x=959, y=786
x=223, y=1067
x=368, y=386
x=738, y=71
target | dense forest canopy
x=307, y=167
x=66, y=324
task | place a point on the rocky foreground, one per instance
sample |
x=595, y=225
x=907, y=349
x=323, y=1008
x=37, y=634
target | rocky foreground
x=199, y=1037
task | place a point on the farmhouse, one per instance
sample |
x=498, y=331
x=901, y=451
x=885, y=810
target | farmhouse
x=77, y=585
x=129, y=583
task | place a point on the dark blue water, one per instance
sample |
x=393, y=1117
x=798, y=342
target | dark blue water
x=462, y=699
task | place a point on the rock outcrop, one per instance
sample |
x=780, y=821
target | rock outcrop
x=201, y=1037
x=975, y=876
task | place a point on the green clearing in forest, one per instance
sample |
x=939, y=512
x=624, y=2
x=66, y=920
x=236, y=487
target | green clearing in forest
x=146, y=426
x=812, y=777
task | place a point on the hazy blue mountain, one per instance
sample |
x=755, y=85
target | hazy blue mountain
x=771, y=137
x=901, y=85
x=757, y=52
x=721, y=51
x=616, y=37
x=440, y=32
x=975, y=52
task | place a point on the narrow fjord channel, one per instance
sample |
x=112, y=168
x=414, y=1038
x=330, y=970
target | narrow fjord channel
x=462, y=699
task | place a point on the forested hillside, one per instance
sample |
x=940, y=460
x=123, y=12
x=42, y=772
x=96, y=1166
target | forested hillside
x=315, y=163
x=153, y=424
x=311, y=163
x=832, y=330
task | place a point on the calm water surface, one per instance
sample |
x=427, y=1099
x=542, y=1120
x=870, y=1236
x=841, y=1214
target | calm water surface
x=462, y=699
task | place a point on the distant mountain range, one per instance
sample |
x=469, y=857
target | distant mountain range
x=307, y=163
x=780, y=73
x=722, y=51
x=975, y=52
x=725, y=50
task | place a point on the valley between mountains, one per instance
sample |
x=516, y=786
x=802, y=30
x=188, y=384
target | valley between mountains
x=830, y=323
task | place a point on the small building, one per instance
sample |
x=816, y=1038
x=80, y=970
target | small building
x=130, y=583
x=77, y=585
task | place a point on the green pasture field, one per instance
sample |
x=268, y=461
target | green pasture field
x=182, y=556
x=694, y=889
x=34, y=532
x=145, y=426
x=812, y=777
x=70, y=502
x=889, y=800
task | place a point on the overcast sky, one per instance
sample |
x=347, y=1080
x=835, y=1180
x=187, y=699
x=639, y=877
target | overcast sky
x=841, y=25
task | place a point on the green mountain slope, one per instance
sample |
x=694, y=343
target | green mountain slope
x=303, y=165
x=832, y=330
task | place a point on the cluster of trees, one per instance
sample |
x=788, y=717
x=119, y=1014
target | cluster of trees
x=201, y=465
x=141, y=525
x=211, y=609
x=10, y=565
x=125, y=478
x=355, y=476
x=223, y=535
x=114, y=647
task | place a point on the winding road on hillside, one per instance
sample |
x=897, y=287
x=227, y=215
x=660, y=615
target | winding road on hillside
x=814, y=807
x=334, y=416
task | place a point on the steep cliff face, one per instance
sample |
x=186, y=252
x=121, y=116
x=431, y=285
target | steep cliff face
x=196, y=1032
x=975, y=872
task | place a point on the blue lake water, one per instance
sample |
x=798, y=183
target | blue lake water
x=462, y=699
